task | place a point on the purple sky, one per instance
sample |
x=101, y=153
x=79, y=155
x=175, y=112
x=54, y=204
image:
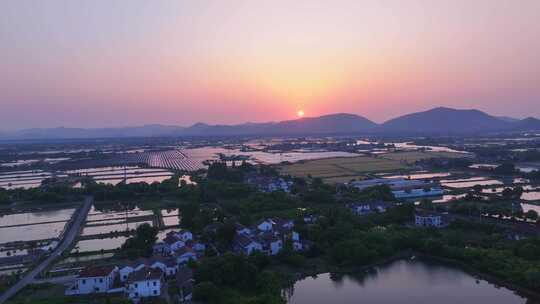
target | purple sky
x=103, y=63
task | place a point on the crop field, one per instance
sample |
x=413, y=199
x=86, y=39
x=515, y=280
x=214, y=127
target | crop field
x=341, y=168
x=413, y=156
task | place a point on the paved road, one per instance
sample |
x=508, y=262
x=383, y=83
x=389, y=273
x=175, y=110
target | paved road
x=69, y=236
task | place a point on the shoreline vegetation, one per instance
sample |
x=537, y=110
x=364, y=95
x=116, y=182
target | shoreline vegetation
x=297, y=276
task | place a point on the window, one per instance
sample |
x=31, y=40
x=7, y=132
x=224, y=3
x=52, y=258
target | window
x=155, y=291
x=101, y=280
x=136, y=285
x=155, y=283
x=84, y=281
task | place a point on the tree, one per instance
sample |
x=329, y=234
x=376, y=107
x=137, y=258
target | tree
x=226, y=232
x=140, y=245
x=505, y=169
x=531, y=215
x=206, y=292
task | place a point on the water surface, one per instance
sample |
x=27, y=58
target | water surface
x=407, y=282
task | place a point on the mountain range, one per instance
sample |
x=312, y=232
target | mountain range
x=437, y=121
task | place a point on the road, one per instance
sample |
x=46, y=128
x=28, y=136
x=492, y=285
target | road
x=69, y=236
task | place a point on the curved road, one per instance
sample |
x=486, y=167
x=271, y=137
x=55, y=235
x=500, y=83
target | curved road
x=69, y=236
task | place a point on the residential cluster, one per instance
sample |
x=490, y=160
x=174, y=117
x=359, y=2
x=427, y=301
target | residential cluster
x=268, y=183
x=149, y=277
x=146, y=277
x=268, y=236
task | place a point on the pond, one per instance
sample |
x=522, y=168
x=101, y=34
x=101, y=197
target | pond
x=401, y=282
x=31, y=232
x=98, y=244
x=36, y=217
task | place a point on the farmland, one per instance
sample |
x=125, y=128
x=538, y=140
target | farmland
x=343, y=169
x=337, y=169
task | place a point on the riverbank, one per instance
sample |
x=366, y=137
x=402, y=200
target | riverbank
x=520, y=290
x=322, y=267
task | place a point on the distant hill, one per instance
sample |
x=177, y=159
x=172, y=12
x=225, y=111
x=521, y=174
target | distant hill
x=435, y=121
x=508, y=119
x=67, y=133
x=327, y=124
x=527, y=124
x=445, y=121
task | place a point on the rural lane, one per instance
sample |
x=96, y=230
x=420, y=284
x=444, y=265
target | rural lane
x=69, y=236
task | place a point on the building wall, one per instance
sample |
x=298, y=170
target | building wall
x=143, y=289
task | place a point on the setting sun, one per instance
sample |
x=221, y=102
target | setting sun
x=300, y=113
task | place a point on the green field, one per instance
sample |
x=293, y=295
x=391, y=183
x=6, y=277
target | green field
x=413, y=156
x=343, y=169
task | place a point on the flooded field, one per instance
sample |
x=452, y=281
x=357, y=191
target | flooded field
x=530, y=196
x=99, y=244
x=97, y=215
x=526, y=207
x=36, y=217
x=116, y=175
x=106, y=229
x=470, y=182
x=24, y=179
x=211, y=153
x=412, y=147
x=419, y=175
x=31, y=232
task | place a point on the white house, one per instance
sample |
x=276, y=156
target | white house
x=275, y=246
x=127, y=269
x=146, y=282
x=368, y=207
x=184, y=254
x=265, y=225
x=161, y=248
x=169, y=267
x=426, y=219
x=246, y=245
x=185, y=235
x=174, y=242
x=93, y=280
x=241, y=229
x=280, y=223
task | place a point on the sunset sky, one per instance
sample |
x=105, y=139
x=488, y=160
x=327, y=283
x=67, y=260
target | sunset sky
x=97, y=63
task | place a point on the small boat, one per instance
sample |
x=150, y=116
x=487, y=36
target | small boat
x=413, y=257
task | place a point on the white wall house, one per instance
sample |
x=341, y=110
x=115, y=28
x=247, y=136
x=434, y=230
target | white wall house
x=246, y=245
x=185, y=235
x=184, y=255
x=146, y=282
x=295, y=236
x=125, y=271
x=93, y=280
x=428, y=220
x=275, y=246
x=265, y=225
